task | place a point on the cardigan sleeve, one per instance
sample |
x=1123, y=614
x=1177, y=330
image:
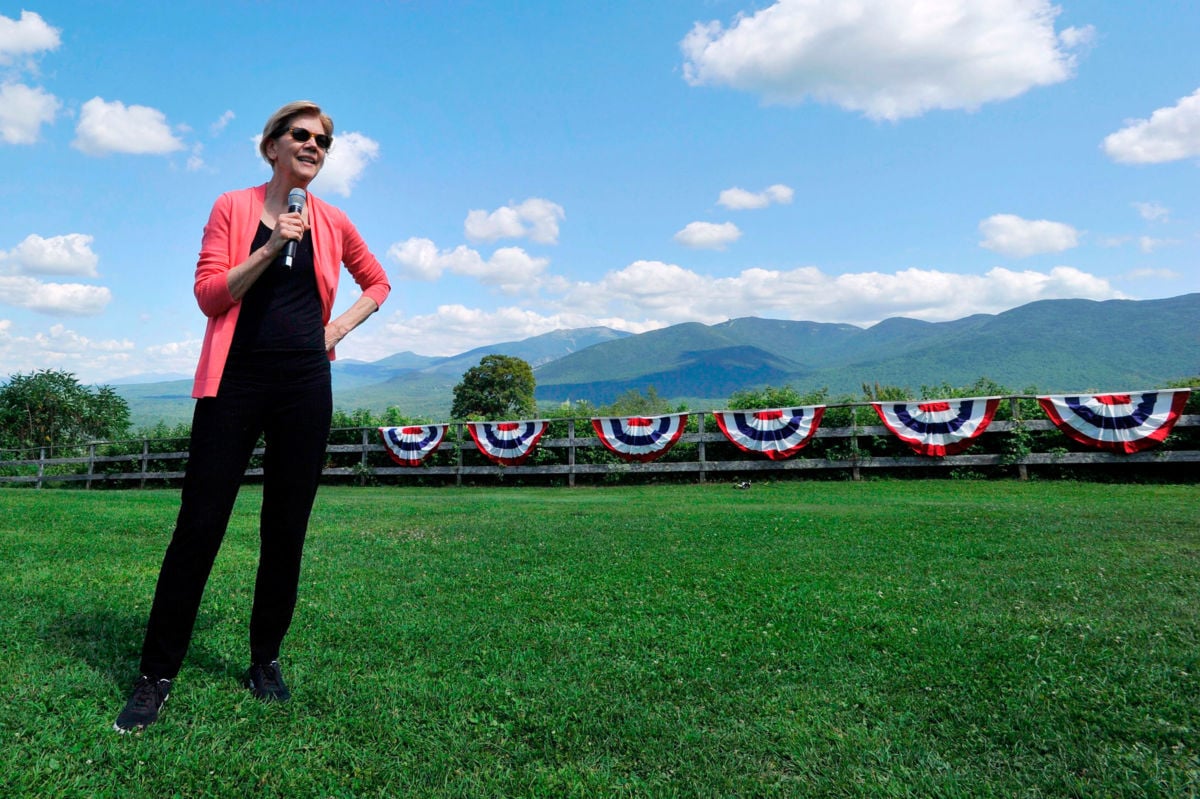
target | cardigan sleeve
x=364, y=267
x=212, y=284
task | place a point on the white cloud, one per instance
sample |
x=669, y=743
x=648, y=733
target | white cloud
x=1153, y=274
x=738, y=199
x=455, y=328
x=116, y=128
x=886, y=59
x=649, y=288
x=1076, y=38
x=673, y=294
x=535, y=218
x=54, y=299
x=62, y=348
x=652, y=294
x=219, y=126
x=173, y=357
x=26, y=36
x=458, y=327
x=23, y=111
x=511, y=269
x=708, y=235
x=195, y=160
x=503, y=223
x=1016, y=237
x=58, y=255
x=646, y=295
x=1170, y=134
x=1148, y=244
x=345, y=163
x=66, y=254
x=1153, y=212
x=70, y=254
x=419, y=258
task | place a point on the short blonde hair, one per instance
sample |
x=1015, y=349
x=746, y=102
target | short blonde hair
x=281, y=120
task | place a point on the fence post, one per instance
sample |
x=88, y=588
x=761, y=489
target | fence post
x=362, y=477
x=458, y=436
x=700, y=453
x=855, y=474
x=41, y=466
x=91, y=465
x=1014, y=405
x=145, y=463
x=570, y=453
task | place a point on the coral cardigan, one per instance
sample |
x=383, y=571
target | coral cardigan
x=227, y=239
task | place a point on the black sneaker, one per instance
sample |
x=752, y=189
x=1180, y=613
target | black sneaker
x=145, y=703
x=265, y=681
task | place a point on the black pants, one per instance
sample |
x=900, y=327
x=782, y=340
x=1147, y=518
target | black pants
x=287, y=399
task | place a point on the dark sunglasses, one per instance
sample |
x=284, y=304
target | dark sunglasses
x=303, y=134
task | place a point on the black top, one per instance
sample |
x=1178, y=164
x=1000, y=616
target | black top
x=282, y=310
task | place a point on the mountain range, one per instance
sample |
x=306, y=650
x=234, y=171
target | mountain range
x=1051, y=346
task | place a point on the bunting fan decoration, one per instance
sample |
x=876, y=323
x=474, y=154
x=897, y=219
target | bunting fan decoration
x=938, y=427
x=1125, y=423
x=640, y=438
x=507, y=443
x=777, y=433
x=410, y=445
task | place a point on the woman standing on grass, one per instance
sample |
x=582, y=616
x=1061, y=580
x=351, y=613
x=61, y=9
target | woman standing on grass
x=263, y=370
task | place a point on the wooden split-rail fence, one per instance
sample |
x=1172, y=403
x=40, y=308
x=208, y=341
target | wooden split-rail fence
x=358, y=455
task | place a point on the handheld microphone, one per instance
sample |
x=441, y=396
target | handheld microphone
x=296, y=200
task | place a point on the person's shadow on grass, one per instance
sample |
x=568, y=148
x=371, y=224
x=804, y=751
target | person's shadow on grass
x=110, y=642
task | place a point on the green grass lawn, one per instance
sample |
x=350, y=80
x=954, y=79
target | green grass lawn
x=893, y=638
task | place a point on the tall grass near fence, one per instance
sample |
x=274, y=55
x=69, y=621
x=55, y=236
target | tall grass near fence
x=795, y=639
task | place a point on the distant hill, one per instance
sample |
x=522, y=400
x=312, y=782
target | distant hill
x=1052, y=346
x=420, y=385
x=149, y=403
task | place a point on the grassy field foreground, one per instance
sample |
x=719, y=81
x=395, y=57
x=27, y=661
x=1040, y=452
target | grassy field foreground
x=915, y=638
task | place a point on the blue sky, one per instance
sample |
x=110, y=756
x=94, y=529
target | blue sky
x=524, y=167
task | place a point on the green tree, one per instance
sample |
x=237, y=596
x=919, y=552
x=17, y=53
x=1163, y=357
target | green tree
x=882, y=393
x=50, y=408
x=500, y=387
x=982, y=387
x=773, y=397
x=635, y=403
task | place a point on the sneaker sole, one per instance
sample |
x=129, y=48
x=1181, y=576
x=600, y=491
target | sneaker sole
x=130, y=730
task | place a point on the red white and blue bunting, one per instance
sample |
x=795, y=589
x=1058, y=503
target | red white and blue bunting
x=777, y=433
x=410, y=445
x=938, y=427
x=1125, y=423
x=507, y=443
x=640, y=438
